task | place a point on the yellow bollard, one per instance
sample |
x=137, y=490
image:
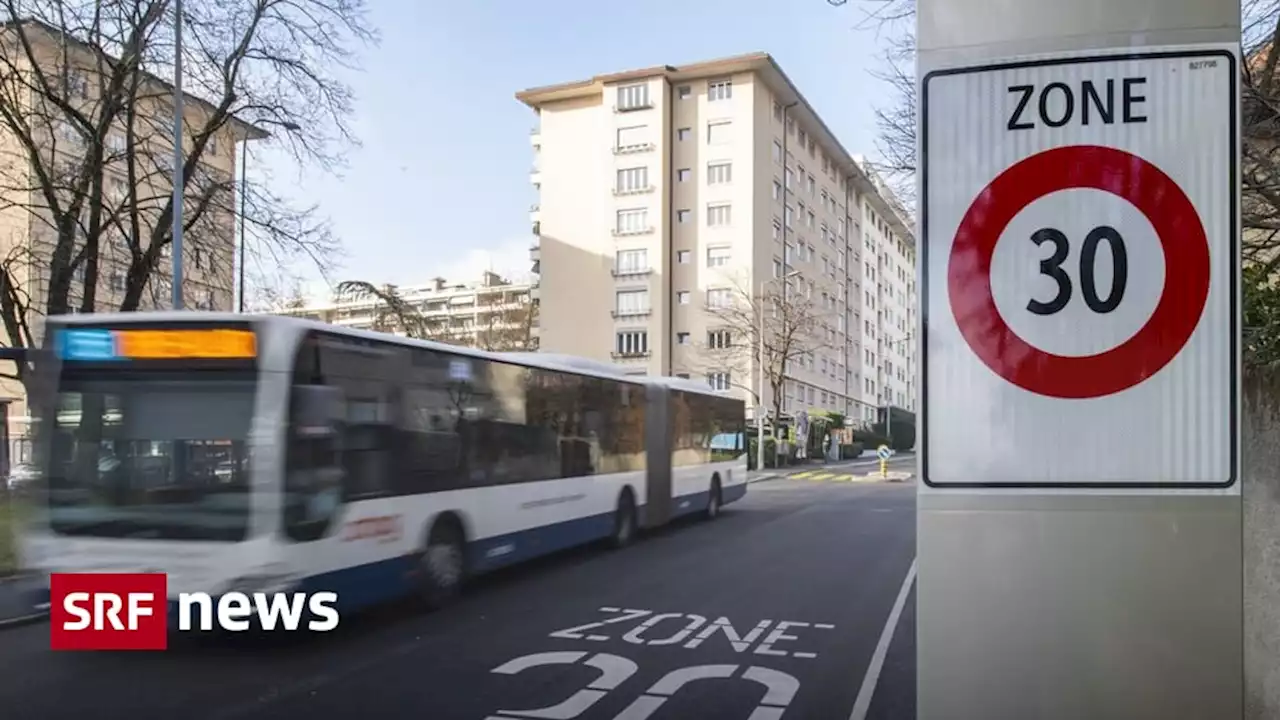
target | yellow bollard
x=884, y=469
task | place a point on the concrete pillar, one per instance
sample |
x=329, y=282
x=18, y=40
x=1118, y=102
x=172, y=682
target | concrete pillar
x=1262, y=544
x=1081, y=603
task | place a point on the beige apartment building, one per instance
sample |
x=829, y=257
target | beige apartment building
x=492, y=313
x=666, y=193
x=27, y=238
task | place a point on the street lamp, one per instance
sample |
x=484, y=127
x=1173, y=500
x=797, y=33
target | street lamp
x=244, y=196
x=760, y=370
x=178, y=192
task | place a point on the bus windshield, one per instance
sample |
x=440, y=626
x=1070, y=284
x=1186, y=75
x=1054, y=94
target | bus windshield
x=153, y=455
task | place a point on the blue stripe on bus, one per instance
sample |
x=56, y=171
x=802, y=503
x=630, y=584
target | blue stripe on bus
x=374, y=583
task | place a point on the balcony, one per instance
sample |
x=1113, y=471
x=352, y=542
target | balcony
x=636, y=191
x=625, y=232
x=634, y=107
x=537, y=228
x=631, y=272
x=631, y=314
x=631, y=149
x=630, y=354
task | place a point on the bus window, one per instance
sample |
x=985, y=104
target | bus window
x=313, y=463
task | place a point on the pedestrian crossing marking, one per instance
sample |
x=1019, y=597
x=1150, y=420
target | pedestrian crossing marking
x=801, y=475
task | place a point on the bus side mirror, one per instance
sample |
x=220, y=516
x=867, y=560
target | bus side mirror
x=317, y=410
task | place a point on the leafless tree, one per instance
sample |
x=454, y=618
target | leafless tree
x=88, y=168
x=509, y=330
x=500, y=329
x=391, y=312
x=794, y=327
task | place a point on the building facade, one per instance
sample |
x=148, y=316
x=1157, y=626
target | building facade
x=669, y=194
x=143, y=152
x=492, y=313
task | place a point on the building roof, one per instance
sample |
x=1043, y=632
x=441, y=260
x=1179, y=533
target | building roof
x=764, y=67
x=243, y=130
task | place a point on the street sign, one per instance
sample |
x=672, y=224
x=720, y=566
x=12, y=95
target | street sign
x=1079, y=271
x=883, y=452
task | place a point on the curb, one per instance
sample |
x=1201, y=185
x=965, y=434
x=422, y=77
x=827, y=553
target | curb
x=23, y=620
x=27, y=618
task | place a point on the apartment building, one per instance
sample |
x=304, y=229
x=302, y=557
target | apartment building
x=667, y=193
x=493, y=312
x=28, y=238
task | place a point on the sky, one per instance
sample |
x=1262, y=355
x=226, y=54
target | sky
x=440, y=185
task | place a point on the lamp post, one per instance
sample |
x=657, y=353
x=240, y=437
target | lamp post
x=178, y=189
x=760, y=413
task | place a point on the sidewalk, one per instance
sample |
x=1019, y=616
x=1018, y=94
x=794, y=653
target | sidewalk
x=15, y=601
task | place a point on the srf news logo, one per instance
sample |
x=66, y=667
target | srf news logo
x=130, y=611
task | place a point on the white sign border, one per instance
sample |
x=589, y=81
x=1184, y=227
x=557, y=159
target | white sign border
x=1217, y=50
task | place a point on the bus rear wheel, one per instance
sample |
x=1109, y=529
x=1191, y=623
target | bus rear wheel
x=443, y=564
x=624, y=520
x=714, y=501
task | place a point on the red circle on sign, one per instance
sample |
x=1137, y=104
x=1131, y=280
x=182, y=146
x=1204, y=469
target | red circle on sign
x=1186, y=277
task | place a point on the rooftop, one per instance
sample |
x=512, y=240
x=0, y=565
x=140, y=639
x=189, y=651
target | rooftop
x=764, y=67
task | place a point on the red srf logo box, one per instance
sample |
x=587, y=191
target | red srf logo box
x=108, y=611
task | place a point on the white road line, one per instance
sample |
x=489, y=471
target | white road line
x=868, y=689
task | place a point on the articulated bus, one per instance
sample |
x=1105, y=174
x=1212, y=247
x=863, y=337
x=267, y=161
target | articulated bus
x=257, y=454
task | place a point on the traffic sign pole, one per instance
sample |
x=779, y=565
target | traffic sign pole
x=1079, y=509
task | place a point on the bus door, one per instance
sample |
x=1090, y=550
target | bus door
x=658, y=453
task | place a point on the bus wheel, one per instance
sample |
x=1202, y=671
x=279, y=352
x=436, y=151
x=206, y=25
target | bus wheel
x=443, y=564
x=713, y=502
x=624, y=520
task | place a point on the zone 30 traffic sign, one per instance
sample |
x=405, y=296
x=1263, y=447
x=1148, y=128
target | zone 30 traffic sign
x=1080, y=295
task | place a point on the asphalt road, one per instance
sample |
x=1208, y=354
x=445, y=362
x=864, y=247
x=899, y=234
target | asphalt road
x=781, y=603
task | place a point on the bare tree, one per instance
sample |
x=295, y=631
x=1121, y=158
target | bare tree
x=500, y=329
x=794, y=328
x=391, y=312
x=89, y=168
x=508, y=330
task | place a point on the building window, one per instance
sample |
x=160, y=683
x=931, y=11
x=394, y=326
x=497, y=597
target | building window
x=684, y=92
x=803, y=137
x=633, y=179
x=684, y=216
x=633, y=97
x=682, y=297
x=718, y=132
x=682, y=338
x=719, y=90
x=632, y=302
x=786, y=216
x=683, y=134
x=633, y=261
x=777, y=230
x=719, y=339
x=632, y=343
x=777, y=190
x=810, y=220
x=777, y=151
x=684, y=256
x=633, y=221
x=718, y=256
x=719, y=215
x=719, y=173
x=777, y=268
x=684, y=175
x=718, y=380
x=631, y=138
x=719, y=297
x=777, y=112
x=811, y=183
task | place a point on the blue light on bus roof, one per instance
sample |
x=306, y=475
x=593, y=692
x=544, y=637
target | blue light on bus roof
x=86, y=344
